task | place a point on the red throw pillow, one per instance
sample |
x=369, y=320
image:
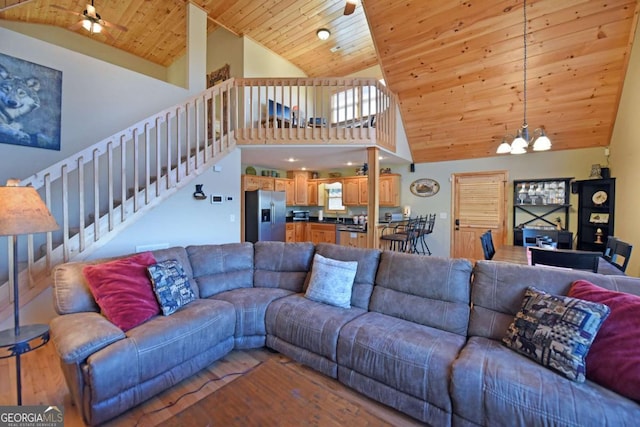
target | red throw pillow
x=123, y=291
x=614, y=358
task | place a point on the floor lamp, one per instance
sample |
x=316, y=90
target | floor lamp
x=22, y=211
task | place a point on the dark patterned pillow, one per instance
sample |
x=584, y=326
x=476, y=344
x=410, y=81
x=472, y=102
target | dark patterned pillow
x=556, y=331
x=171, y=285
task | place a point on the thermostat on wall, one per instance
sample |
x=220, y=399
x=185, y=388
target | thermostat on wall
x=216, y=198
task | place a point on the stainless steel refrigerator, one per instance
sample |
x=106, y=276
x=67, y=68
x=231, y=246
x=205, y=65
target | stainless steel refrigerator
x=264, y=215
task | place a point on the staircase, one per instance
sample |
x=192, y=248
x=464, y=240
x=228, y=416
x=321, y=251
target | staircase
x=101, y=190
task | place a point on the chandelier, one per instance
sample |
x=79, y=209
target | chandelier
x=538, y=140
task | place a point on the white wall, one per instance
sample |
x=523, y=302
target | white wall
x=625, y=159
x=262, y=62
x=554, y=164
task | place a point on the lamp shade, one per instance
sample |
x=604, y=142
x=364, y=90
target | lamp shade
x=22, y=211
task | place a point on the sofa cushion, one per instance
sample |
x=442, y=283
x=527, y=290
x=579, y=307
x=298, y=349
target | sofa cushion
x=251, y=306
x=282, y=265
x=498, y=288
x=367, y=260
x=158, y=345
x=123, y=290
x=614, y=358
x=556, y=331
x=406, y=356
x=309, y=325
x=331, y=281
x=170, y=285
x=430, y=291
x=492, y=385
x=219, y=268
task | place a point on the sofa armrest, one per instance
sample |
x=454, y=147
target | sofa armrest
x=77, y=336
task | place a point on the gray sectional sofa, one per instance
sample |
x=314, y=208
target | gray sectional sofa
x=423, y=334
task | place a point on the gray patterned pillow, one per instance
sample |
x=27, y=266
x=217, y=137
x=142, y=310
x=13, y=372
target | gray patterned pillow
x=331, y=281
x=556, y=331
x=171, y=285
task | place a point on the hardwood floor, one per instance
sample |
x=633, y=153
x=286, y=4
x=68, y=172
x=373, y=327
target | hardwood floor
x=43, y=384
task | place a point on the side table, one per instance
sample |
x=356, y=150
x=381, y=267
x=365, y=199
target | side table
x=24, y=341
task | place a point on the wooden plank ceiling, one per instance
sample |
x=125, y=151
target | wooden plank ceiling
x=457, y=66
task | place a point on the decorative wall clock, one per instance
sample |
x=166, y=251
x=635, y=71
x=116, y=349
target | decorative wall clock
x=424, y=187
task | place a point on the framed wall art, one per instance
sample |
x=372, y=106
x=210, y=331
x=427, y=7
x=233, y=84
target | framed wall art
x=424, y=187
x=30, y=104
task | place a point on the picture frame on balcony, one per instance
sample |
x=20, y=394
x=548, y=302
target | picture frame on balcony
x=30, y=104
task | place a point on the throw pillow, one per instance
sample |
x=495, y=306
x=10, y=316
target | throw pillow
x=171, y=285
x=556, y=331
x=614, y=358
x=331, y=281
x=123, y=291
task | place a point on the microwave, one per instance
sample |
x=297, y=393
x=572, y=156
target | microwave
x=300, y=215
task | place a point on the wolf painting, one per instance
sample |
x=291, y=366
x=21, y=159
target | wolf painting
x=30, y=102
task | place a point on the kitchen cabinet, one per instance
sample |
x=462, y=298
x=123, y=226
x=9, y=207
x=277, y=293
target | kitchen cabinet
x=353, y=239
x=300, y=231
x=300, y=179
x=290, y=232
x=351, y=191
x=596, y=211
x=389, y=190
x=312, y=192
x=321, y=233
x=288, y=186
x=363, y=191
x=255, y=182
x=355, y=190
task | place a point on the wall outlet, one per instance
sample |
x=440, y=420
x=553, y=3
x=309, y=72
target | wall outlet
x=443, y=215
x=232, y=218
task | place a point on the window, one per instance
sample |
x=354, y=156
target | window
x=353, y=103
x=334, y=197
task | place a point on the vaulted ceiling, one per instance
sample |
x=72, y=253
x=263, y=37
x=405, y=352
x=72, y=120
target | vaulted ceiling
x=456, y=66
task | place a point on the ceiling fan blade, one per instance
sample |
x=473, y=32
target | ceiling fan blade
x=349, y=7
x=76, y=26
x=108, y=35
x=116, y=26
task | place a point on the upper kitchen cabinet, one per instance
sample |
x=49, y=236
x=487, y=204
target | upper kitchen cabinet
x=389, y=190
x=255, y=182
x=300, y=181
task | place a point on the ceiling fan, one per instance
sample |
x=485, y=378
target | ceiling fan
x=350, y=7
x=91, y=21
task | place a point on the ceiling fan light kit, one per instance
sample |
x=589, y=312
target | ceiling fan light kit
x=522, y=141
x=323, y=34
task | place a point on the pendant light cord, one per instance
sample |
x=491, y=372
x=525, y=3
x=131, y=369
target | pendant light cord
x=524, y=32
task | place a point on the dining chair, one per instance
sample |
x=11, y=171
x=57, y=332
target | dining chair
x=609, y=248
x=566, y=258
x=401, y=236
x=620, y=250
x=425, y=227
x=487, y=245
